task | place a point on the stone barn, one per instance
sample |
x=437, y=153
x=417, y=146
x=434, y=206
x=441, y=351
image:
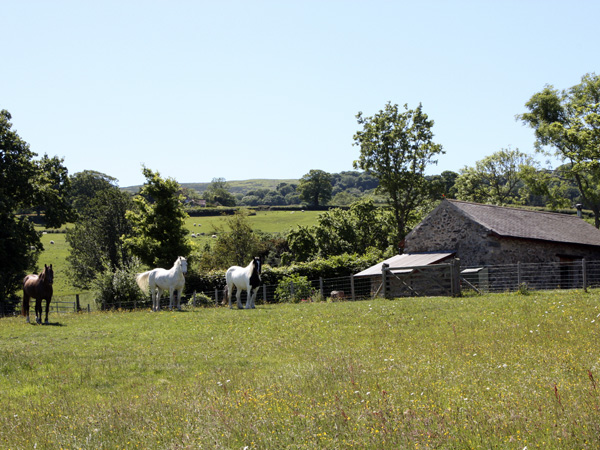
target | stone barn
x=486, y=235
x=481, y=235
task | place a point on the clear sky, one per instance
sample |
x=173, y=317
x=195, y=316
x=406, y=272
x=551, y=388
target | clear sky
x=270, y=89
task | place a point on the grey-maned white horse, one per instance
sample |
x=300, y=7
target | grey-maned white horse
x=159, y=280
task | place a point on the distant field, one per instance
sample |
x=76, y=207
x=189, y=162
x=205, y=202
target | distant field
x=266, y=221
x=501, y=371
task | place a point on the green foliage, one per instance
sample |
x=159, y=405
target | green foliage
x=293, y=289
x=26, y=184
x=200, y=300
x=315, y=188
x=396, y=148
x=218, y=194
x=85, y=185
x=117, y=288
x=96, y=238
x=338, y=231
x=496, y=179
x=568, y=122
x=159, y=235
x=236, y=244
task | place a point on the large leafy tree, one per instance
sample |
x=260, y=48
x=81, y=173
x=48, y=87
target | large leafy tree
x=396, y=147
x=217, y=193
x=315, y=187
x=159, y=235
x=96, y=239
x=568, y=123
x=496, y=179
x=85, y=185
x=26, y=183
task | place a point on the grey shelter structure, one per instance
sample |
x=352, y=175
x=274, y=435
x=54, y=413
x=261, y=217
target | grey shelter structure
x=490, y=248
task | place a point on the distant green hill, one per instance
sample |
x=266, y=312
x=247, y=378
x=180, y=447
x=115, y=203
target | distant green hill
x=235, y=187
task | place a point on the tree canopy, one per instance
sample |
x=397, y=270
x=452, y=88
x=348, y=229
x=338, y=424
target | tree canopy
x=26, y=184
x=568, y=122
x=396, y=147
x=315, y=187
x=159, y=235
x=496, y=179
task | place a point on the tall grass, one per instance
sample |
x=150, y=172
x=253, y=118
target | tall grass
x=499, y=371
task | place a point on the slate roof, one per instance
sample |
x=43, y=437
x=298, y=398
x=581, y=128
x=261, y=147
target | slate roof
x=406, y=260
x=527, y=224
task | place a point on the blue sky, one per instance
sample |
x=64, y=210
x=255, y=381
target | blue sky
x=270, y=89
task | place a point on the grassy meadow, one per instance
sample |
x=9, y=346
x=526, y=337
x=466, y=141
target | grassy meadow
x=501, y=371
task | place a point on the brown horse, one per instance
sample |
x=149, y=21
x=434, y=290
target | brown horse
x=38, y=287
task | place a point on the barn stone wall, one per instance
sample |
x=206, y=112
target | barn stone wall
x=448, y=229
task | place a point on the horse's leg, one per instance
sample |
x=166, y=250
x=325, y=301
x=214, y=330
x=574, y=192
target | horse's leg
x=238, y=295
x=47, y=309
x=25, y=308
x=171, y=295
x=179, y=299
x=154, y=301
x=252, y=302
x=38, y=310
x=229, y=293
x=159, y=292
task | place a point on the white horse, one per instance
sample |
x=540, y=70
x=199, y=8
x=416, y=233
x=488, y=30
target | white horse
x=159, y=280
x=244, y=278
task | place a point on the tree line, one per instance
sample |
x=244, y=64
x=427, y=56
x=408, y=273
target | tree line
x=114, y=233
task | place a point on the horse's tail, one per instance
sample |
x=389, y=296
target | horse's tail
x=25, y=302
x=142, y=280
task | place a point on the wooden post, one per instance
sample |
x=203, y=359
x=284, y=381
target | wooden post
x=455, y=277
x=78, y=306
x=265, y=294
x=352, y=287
x=519, y=275
x=321, y=287
x=584, y=272
x=384, y=279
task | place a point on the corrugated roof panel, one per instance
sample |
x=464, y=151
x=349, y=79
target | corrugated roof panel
x=406, y=260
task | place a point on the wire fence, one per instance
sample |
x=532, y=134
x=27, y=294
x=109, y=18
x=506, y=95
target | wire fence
x=579, y=274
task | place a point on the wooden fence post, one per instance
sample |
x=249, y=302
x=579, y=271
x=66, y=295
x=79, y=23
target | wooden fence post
x=455, y=277
x=584, y=272
x=264, y=293
x=352, y=287
x=384, y=279
x=321, y=287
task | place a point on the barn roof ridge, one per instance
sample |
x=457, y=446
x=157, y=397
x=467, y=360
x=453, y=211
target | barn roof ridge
x=529, y=224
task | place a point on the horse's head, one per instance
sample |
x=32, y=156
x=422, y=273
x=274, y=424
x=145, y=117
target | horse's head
x=48, y=274
x=183, y=264
x=257, y=264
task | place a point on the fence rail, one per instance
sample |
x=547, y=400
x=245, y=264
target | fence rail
x=580, y=274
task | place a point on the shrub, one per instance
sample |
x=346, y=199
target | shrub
x=293, y=289
x=117, y=288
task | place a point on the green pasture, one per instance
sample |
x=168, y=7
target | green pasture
x=265, y=221
x=501, y=371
